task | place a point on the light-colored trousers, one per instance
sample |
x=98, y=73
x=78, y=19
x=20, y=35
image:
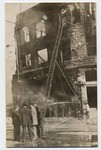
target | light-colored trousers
x=34, y=135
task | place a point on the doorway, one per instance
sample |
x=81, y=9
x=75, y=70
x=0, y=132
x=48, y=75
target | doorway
x=92, y=96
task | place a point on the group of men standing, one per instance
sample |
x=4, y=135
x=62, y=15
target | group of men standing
x=30, y=118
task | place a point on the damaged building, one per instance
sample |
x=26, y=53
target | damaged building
x=56, y=54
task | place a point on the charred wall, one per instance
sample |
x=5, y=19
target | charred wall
x=41, y=25
x=77, y=51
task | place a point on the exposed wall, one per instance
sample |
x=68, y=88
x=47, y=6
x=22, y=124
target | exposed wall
x=30, y=19
x=78, y=42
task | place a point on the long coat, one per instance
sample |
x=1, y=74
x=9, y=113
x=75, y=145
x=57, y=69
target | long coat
x=16, y=124
x=26, y=117
x=15, y=117
x=34, y=115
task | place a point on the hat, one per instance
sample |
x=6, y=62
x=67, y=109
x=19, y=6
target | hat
x=24, y=104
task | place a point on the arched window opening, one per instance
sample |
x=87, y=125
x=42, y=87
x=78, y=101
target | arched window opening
x=26, y=34
x=40, y=29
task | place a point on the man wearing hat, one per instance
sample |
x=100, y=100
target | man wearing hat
x=16, y=123
x=26, y=120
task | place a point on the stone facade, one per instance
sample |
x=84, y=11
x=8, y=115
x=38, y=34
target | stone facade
x=77, y=41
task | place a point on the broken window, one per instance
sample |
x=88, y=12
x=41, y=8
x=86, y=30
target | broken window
x=42, y=55
x=26, y=34
x=28, y=60
x=40, y=29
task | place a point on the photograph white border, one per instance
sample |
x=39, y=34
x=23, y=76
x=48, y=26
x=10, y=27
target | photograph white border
x=3, y=70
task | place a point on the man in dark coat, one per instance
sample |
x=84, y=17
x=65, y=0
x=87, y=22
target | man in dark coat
x=16, y=123
x=26, y=120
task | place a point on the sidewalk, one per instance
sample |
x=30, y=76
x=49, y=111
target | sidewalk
x=61, y=132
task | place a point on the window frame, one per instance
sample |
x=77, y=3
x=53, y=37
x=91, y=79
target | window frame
x=26, y=34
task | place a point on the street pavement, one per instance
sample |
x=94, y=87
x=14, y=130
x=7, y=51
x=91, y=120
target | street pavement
x=60, y=132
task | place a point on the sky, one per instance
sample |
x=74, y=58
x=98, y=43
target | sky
x=11, y=10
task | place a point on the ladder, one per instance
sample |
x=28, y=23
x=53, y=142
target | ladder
x=53, y=59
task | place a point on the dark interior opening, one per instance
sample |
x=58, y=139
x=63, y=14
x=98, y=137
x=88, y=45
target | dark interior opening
x=91, y=75
x=92, y=96
x=91, y=47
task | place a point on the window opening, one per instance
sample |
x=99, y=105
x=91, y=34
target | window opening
x=42, y=55
x=40, y=29
x=26, y=34
x=28, y=60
